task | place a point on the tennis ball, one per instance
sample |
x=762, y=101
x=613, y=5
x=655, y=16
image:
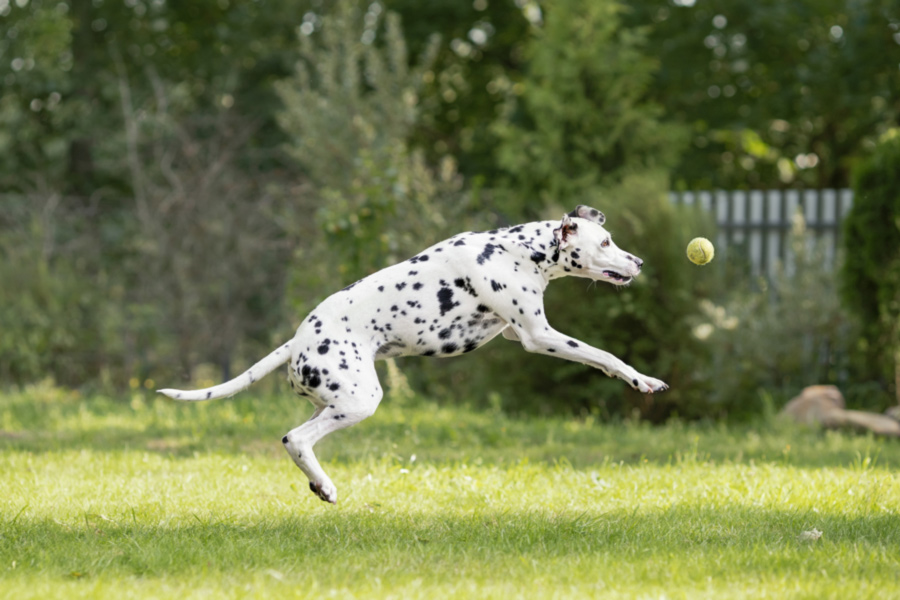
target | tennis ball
x=700, y=251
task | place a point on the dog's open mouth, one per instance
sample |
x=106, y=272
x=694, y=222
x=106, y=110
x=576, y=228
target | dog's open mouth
x=616, y=277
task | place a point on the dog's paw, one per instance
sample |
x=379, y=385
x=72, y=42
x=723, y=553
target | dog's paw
x=325, y=490
x=655, y=385
x=647, y=385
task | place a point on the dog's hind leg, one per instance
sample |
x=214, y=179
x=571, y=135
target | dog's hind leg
x=342, y=402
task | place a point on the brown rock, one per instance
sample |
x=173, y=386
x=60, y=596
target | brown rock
x=824, y=405
x=816, y=405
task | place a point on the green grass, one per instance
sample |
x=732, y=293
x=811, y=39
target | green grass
x=145, y=498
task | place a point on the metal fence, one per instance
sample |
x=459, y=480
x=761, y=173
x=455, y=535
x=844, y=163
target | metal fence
x=756, y=224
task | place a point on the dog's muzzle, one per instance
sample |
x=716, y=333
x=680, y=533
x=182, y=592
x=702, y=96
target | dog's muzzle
x=636, y=261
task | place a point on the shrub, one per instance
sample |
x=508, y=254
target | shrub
x=771, y=341
x=56, y=319
x=871, y=272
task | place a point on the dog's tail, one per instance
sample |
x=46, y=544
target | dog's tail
x=276, y=358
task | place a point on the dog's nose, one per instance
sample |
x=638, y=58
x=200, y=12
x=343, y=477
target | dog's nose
x=637, y=261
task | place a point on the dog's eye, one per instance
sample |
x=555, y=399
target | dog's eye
x=604, y=243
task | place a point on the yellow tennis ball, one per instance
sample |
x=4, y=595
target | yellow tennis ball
x=700, y=251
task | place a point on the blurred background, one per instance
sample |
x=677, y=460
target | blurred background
x=181, y=182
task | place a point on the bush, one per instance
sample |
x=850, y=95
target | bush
x=349, y=111
x=582, y=119
x=57, y=318
x=871, y=272
x=770, y=342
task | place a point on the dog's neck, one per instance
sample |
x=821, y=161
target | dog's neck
x=552, y=266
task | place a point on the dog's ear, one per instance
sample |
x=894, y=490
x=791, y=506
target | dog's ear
x=565, y=232
x=591, y=214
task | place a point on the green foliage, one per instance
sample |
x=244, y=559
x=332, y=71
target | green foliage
x=55, y=317
x=349, y=111
x=776, y=92
x=582, y=119
x=60, y=92
x=472, y=75
x=871, y=243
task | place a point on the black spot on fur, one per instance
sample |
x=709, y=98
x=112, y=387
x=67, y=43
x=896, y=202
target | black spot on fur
x=483, y=309
x=400, y=286
x=284, y=440
x=334, y=387
x=496, y=286
x=573, y=344
x=465, y=284
x=417, y=286
x=486, y=253
x=538, y=257
x=310, y=377
x=449, y=348
x=444, y=334
x=445, y=299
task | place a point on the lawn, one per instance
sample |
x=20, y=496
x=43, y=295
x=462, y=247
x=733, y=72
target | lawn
x=139, y=497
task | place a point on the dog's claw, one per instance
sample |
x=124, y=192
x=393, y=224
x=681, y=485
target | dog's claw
x=325, y=491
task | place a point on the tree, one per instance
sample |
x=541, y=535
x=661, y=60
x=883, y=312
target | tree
x=474, y=70
x=582, y=119
x=151, y=125
x=776, y=92
x=871, y=243
x=349, y=112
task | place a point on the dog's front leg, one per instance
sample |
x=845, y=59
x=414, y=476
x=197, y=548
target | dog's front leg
x=540, y=338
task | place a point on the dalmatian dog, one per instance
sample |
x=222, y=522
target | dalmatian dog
x=447, y=300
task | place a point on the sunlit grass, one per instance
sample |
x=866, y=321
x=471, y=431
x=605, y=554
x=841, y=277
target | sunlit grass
x=146, y=499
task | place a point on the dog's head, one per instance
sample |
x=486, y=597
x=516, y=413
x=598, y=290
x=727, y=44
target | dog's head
x=587, y=250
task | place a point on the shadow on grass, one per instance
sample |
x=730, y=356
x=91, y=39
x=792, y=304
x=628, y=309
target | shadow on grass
x=344, y=544
x=251, y=424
